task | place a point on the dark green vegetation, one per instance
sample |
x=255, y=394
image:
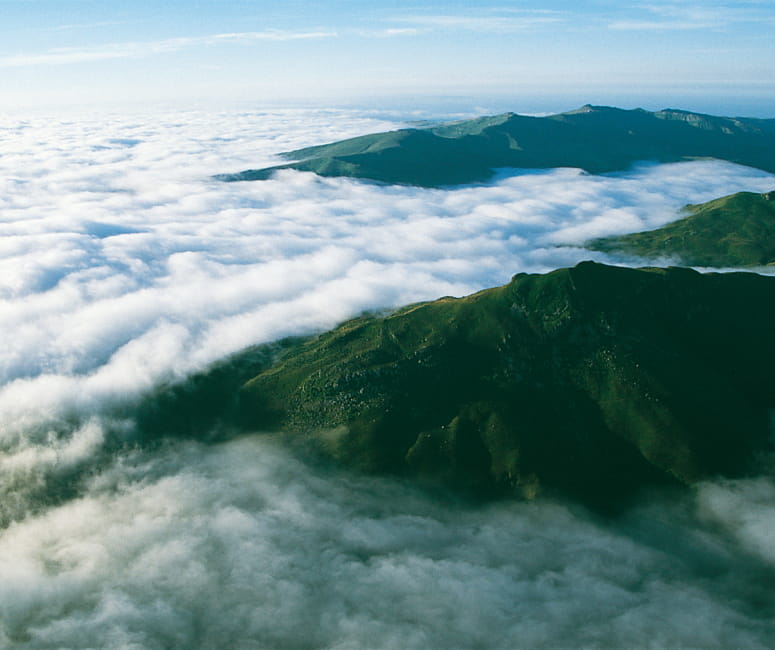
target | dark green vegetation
x=735, y=230
x=204, y=406
x=597, y=139
x=592, y=381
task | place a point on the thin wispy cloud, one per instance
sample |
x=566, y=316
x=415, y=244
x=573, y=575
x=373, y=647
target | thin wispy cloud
x=392, y=31
x=138, y=49
x=488, y=23
x=692, y=17
x=77, y=26
x=656, y=25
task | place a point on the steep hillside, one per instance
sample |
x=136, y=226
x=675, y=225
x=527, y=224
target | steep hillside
x=593, y=381
x=735, y=230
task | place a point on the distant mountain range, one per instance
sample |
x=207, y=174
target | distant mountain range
x=593, y=382
x=594, y=138
x=735, y=230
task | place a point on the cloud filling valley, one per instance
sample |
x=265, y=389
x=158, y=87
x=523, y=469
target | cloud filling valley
x=124, y=265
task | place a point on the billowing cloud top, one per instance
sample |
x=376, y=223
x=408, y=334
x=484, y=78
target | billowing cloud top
x=123, y=265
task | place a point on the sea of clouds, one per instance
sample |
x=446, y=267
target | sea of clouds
x=123, y=266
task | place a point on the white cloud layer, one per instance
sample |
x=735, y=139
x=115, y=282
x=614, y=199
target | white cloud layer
x=244, y=546
x=122, y=265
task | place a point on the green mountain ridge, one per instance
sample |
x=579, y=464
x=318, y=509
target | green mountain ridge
x=594, y=138
x=733, y=231
x=591, y=382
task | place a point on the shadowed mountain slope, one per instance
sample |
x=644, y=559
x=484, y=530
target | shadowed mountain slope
x=592, y=381
x=597, y=139
x=735, y=230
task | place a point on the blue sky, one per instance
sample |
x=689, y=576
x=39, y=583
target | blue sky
x=548, y=54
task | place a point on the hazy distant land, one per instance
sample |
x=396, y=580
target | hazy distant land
x=596, y=139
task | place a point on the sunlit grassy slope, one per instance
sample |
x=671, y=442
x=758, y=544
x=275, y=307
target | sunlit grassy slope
x=593, y=381
x=597, y=139
x=735, y=230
